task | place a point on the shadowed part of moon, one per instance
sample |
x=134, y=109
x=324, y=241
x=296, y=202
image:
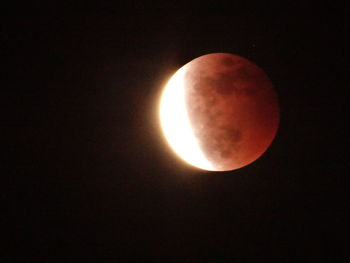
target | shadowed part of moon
x=232, y=107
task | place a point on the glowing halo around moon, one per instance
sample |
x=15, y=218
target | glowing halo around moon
x=219, y=112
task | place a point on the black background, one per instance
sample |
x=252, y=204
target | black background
x=88, y=175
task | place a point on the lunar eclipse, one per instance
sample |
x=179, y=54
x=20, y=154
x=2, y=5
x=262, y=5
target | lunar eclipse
x=219, y=112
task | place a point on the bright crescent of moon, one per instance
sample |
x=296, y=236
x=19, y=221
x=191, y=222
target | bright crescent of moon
x=176, y=125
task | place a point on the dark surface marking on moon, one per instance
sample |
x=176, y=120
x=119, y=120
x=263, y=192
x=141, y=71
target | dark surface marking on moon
x=211, y=124
x=228, y=62
x=227, y=99
x=226, y=83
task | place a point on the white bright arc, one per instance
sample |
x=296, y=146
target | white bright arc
x=176, y=125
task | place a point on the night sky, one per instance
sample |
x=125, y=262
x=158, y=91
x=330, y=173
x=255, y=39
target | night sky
x=88, y=177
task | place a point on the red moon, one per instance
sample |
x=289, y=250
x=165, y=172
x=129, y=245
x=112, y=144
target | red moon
x=232, y=108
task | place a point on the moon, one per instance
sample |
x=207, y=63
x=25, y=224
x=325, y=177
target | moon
x=219, y=112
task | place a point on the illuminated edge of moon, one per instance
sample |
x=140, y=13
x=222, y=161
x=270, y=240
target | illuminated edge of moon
x=176, y=125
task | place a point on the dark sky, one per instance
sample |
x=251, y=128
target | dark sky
x=88, y=176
